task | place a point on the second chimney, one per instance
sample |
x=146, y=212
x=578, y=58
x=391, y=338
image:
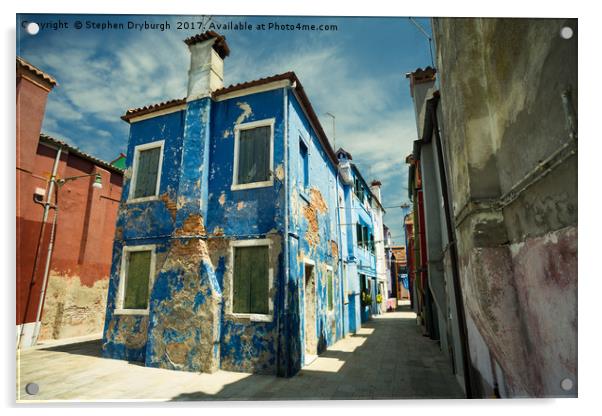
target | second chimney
x=375, y=188
x=206, y=74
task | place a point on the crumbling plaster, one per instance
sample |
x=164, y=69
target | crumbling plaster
x=502, y=115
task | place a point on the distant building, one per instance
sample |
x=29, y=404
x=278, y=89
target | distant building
x=76, y=275
x=400, y=272
x=378, y=212
x=359, y=230
x=230, y=250
x=119, y=162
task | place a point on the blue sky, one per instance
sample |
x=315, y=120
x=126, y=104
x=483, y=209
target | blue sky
x=356, y=73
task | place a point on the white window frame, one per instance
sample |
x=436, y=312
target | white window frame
x=309, y=262
x=308, y=147
x=123, y=276
x=137, y=150
x=253, y=317
x=247, y=126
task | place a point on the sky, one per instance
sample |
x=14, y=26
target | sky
x=356, y=72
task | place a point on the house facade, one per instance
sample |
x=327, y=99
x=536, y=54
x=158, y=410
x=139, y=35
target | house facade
x=228, y=250
x=63, y=245
x=358, y=229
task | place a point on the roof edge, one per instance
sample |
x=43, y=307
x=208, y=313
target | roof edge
x=35, y=71
x=99, y=162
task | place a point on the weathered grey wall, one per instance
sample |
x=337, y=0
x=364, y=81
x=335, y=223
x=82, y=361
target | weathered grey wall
x=501, y=83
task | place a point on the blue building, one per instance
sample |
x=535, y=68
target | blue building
x=358, y=231
x=228, y=244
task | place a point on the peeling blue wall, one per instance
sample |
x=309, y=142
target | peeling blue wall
x=198, y=212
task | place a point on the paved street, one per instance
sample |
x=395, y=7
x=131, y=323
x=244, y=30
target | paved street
x=388, y=359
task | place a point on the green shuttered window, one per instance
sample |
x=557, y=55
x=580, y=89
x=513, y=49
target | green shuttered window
x=137, y=280
x=254, y=155
x=251, y=280
x=147, y=172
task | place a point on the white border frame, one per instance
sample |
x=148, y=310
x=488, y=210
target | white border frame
x=119, y=310
x=253, y=317
x=137, y=150
x=247, y=126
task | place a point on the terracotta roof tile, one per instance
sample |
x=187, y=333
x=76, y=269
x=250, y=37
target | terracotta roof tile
x=48, y=139
x=23, y=64
x=151, y=108
x=291, y=76
x=261, y=81
x=220, y=46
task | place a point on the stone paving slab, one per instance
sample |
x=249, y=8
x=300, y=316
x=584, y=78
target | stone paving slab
x=387, y=359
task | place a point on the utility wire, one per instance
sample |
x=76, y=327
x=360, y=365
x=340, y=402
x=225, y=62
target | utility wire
x=425, y=33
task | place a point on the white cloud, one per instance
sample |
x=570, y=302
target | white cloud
x=152, y=67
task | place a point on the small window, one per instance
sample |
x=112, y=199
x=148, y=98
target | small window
x=358, y=234
x=250, y=290
x=330, y=289
x=303, y=164
x=147, y=171
x=253, y=155
x=136, y=279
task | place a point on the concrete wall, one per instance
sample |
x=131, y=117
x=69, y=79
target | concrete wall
x=501, y=83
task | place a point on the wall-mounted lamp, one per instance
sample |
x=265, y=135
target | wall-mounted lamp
x=97, y=184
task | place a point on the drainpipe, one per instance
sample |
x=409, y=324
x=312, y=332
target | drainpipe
x=340, y=239
x=286, y=227
x=454, y=258
x=47, y=206
x=38, y=325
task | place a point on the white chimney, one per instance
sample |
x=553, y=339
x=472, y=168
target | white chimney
x=375, y=188
x=206, y=73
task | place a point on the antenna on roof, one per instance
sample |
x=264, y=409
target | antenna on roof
x=425, y=33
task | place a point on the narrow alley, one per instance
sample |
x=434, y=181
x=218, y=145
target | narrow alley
x=387, y=359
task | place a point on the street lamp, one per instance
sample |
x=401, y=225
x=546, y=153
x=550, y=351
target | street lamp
x=55, y=185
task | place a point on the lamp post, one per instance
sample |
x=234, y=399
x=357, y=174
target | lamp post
x=55, y=185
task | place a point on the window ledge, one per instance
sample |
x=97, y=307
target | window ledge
x=264, y=184
x=253, y=317
x=143, y=199
x=143, y=312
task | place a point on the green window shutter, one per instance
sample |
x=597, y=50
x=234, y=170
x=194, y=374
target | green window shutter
x=260, y=281
x=147, y=172
x=330, y=289
x=137, y=280
x=242, y=281
x=254, y=155
x=251, y=280
x=303, y=164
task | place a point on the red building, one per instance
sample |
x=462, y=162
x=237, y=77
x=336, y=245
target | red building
x=399, y=253
x=71, y=287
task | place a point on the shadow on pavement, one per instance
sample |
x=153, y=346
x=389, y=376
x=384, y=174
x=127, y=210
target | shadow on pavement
x=89, y=348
